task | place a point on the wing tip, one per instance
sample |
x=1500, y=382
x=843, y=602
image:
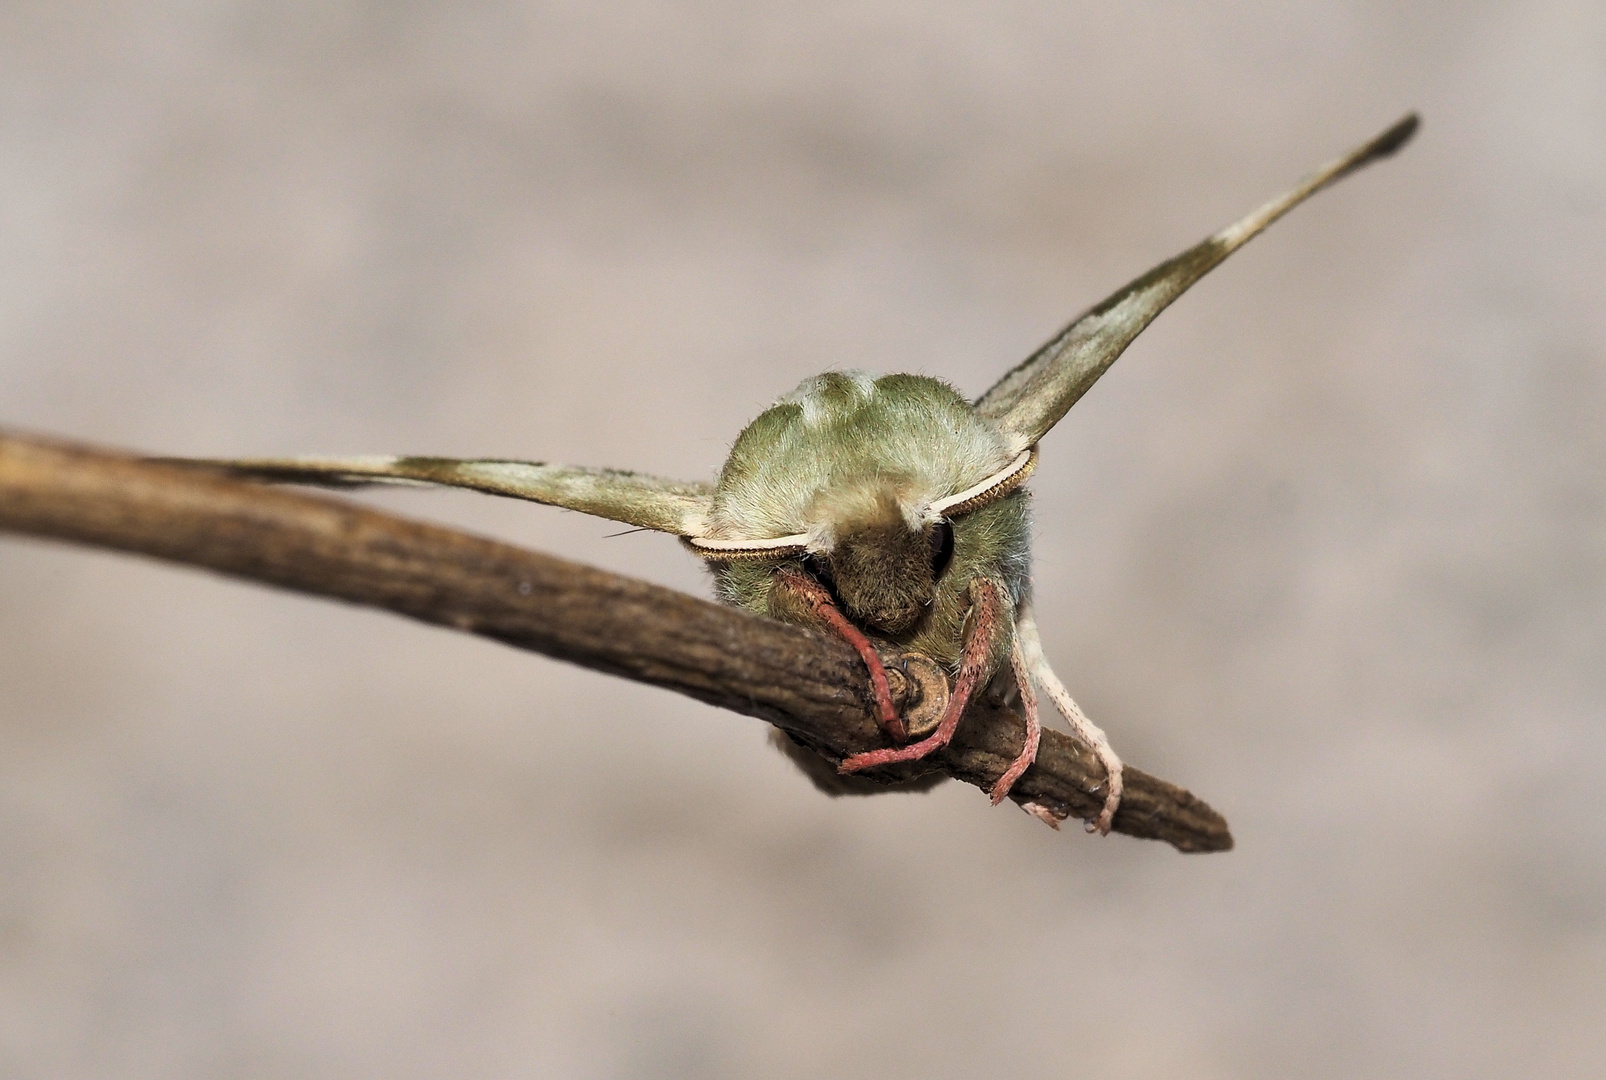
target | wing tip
x=1387, y=144
x=1404, y=129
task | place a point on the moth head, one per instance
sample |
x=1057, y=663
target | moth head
x=881, y=555
x=875, y=556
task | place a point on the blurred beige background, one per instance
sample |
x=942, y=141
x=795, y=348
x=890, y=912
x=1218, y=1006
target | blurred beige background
x=1326, y=545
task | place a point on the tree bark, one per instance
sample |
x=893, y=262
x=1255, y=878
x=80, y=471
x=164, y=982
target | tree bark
x=812, y=686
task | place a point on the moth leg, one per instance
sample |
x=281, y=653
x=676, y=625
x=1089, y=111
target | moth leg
x=823, y=775
x=794, y=589
x=978, y=661
x=1083, y=728
x=1034, y=729
x=1042, y=813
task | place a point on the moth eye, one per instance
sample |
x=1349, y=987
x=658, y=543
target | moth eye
x=942, y=547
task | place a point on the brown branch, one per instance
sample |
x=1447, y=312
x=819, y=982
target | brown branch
x=808, y=684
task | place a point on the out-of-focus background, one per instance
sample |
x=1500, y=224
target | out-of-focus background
x=1328, y=545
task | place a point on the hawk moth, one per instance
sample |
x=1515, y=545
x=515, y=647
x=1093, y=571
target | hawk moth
x=886, y=509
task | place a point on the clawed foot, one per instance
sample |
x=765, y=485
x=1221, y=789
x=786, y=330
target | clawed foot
x=1112, y=789
x=1043, y=814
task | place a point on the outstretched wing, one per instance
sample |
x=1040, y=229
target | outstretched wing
x=650, y=502
x=1033, y=397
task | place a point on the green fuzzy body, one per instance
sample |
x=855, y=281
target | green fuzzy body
x=811, y=461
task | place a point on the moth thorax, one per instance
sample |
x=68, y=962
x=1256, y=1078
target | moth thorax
x=880, y=562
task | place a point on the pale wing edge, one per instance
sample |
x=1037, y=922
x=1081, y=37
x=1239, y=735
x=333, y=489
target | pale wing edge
x=649, y=502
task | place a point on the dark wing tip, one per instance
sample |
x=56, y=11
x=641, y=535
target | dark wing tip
x=1396, y=136
x=1386, y=144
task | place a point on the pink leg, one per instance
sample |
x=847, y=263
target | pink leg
x=1034, y=729
x=818, y=601
x=972, y=666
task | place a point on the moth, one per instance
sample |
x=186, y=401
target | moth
x=886, y=510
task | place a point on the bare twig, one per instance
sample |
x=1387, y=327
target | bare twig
x=808, y=684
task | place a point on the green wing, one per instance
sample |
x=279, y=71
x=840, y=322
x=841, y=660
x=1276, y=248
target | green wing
x=1032, y=398
x=650, y=502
